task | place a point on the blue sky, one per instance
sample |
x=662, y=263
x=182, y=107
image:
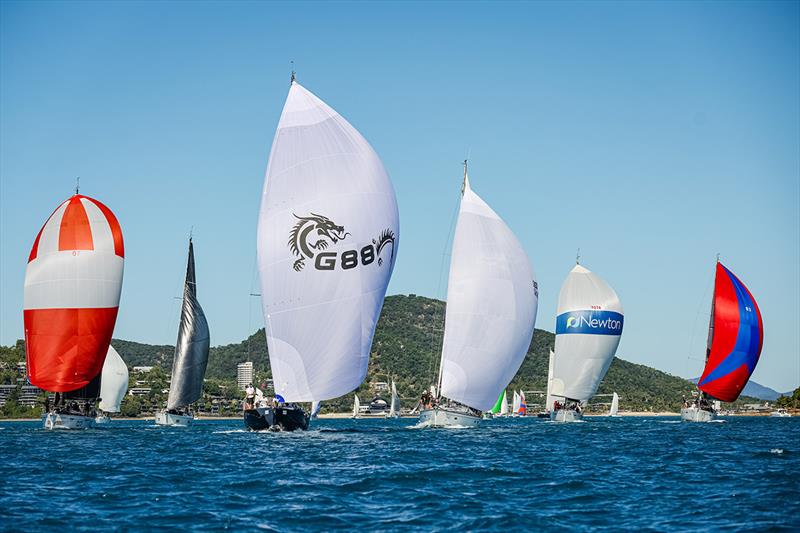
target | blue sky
x=651, y=135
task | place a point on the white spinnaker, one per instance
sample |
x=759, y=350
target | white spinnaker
x=113, y=382
x=582, y=359
x=614, y=405
x=492, y=299
x=326, y=197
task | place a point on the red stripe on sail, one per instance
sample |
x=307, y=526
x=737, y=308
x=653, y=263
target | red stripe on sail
x=75, y=232
x=66, y=348
x=113, y=223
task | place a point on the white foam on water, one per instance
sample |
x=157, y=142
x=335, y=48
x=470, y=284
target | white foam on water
x=779, y=451
x=231, y=431
x=420, y=425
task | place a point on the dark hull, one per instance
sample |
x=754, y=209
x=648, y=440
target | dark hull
x=543, y=415
x=291, y=419
x=258, y=420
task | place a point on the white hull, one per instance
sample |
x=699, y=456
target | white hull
x=102, y=419
x=65, y=421
x=693, y=414
x=779, y=414
x=566, y=415
x=164, y=418
x=443, y=418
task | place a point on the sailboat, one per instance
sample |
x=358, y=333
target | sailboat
x=492, y=297
x=549, y=399
x=191, y=355
x=515, y=404
x=356, y=407
x=394, y=405
x=495, y=411
x=113, y=385
x=504, y=404
x=588, y=331
x=73, y=282
x=315, y=407
x=614, y=405
x=523, y=405
x=328, y=233
x=735, y=337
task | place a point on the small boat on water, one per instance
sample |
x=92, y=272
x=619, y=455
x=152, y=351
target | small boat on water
x=500, y=409
x=327, y=242
x=588, y=330
x=71, y=298
x=315, y=407
x=492, y=297
x=191, y=356
x=735, y=337
x=780, y=413
x=113, y=385
x=356, y=407
x=614, y=406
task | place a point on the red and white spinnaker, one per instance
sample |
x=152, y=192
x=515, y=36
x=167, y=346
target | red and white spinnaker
x=72, y=289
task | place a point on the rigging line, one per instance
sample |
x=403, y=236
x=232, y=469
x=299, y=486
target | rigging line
x=250, y=307
x=436, y=348
x=694, y=325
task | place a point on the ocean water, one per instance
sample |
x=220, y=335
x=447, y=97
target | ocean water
x=523, y=474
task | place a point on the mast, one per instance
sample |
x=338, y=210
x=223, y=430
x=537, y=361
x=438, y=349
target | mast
x=710, y=329
x=464, y=185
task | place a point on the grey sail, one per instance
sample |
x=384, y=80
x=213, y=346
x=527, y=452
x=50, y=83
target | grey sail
x=191, y=350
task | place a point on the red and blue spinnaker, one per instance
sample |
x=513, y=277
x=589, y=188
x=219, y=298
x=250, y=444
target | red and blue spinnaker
x=736, y=334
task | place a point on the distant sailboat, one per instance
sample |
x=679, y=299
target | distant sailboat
x=492, y=297
x=71, y=299
x=588, y=330
x=328, y=233
x=504, y=404
x=495, y=411
x=191, y=355
x=113, y=385
x=614, y=405
x=315, y=407
x=735, y=337
x=516, y=403
x=394, y=405
x=523, y=405
x=356, y=407
x=549, y=398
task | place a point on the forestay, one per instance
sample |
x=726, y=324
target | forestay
x=327, y=242
x=588, y=328
x=492, y=297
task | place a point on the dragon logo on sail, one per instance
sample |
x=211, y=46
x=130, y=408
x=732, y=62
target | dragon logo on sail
x=313, y=234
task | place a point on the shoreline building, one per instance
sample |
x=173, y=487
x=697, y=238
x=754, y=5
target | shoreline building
x=244, y=374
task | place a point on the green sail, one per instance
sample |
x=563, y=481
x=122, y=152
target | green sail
x=498, y=404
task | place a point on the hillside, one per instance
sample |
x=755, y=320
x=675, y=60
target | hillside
x=406, y=348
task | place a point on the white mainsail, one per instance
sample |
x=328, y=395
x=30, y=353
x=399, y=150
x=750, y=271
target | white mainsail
x=356, y=406
x=504, y=405
x=394, y=407
x=327, y=242
x=315, y=407
x=588, y=329
x=113, y=382
x=516, y=403
x=614, y=405
x=492, y=297
x=550, y=399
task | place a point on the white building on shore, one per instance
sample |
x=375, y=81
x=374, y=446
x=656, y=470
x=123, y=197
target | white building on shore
x=244, y=374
